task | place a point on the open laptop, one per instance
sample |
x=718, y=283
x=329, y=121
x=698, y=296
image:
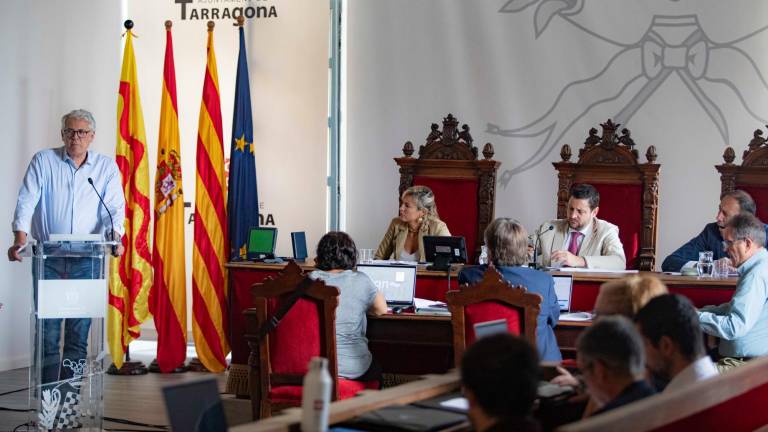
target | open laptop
x=195, y=406
x=563, y=290
x=396, y=282
x=489, y=328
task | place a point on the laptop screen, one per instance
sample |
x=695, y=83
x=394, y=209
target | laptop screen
x=195, y=406
x=261, y=241
x=396, y=282
x=488, y=328
x=563, y=287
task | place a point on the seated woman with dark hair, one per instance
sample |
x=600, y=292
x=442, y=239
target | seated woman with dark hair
x=335, y=263
x=507, y=243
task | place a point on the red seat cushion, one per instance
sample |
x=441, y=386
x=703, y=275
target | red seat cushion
x=456, y=201
x=296, y=340
x=292, y=394
x=489, y=311
x=622, y=205
x=760, y=195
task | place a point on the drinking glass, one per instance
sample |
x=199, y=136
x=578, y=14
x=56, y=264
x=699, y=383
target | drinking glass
x=706, y=264
x=365, y=256
x=721, y=269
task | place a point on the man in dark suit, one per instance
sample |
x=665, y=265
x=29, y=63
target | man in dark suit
x=507, y=243
x=611, y=358
x=711, y=237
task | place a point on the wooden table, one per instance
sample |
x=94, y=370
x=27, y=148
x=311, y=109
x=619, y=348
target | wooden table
x=404, y=342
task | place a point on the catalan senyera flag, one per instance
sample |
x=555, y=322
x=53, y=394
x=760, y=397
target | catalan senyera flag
x=243, y=202
x=131, y=274
x=210, y=251
x=168, y=298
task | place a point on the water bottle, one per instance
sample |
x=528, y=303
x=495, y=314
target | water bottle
x=316, y=396
x=483, y=259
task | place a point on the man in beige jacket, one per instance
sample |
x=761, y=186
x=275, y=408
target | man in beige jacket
x=581, y=240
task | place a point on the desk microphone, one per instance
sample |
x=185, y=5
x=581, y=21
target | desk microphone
x=112, y=222
x=536, y=245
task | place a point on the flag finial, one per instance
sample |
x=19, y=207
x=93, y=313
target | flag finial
x=211, y=25
x=168, y=24
x=128, y=24
x=240, y=20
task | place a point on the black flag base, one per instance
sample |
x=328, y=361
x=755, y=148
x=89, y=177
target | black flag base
x=154, y=367
x=129, y=368
x=195, y=365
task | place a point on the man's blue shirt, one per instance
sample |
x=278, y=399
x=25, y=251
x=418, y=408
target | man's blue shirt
x=742, y=323
x=536, y=282
x=56, y=198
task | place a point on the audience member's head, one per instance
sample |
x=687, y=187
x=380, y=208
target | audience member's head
x=627, y=295
x=732, y=203
x=500, y=375
x=610, y=357
x=336, y=251
x=583, y=205
x=744, y=235
x=670, y=328
x=507, y=242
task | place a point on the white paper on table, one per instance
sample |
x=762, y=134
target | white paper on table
x=589, y=270
x=458, y=403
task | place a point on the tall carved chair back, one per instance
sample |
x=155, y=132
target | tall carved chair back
x=491, y=299
x=629, y=190
x=278, y=362
x=464, y=186
x=751, y=176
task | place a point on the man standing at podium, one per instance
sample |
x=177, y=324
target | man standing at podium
x=60, y=195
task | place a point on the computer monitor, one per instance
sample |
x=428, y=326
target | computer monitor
x=299, y=245
x=442, y=250
x=396, y=282
x=261, y=243
x=195, y=406
x=563, y=289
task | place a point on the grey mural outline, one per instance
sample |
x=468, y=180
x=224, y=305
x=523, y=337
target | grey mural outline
x=695, y=60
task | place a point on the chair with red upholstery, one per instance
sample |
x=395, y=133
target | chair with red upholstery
x=629, y=190
x=493, y=298
x=464, y=187
x=279, y=362
x=751, y=176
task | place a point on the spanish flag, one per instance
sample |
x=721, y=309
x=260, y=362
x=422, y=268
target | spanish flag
x=209, y=280
x=168, y=299
x=131, y=274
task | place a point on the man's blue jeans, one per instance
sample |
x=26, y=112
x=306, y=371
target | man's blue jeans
x=75, y=329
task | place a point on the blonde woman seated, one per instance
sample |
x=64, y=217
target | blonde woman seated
x=404, y=239
x=628, y=295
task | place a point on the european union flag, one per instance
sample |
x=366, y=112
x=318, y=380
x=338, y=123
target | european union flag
x=243, y=202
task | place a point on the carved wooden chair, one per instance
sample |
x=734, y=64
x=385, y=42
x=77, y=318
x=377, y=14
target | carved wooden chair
x=751, y=176
x=492, y=298
x=279, y=362
x=464, y=187
x=629, y=190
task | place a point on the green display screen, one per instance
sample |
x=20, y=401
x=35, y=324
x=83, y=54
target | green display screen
x=261, y=240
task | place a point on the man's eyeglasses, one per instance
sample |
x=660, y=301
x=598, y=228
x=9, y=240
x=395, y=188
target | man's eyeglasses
x=80, y=133
x=729, y=243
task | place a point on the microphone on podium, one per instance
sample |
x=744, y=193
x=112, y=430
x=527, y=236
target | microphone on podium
x=111, y=221
x=538, y=235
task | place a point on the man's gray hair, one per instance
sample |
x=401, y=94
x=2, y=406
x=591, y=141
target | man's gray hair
x=746, y=203
x=747, y=226
x=507, y=242
x=614, y=341
x=78, y=114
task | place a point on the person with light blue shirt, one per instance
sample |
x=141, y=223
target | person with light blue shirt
x=57, y=196
x=742, y=323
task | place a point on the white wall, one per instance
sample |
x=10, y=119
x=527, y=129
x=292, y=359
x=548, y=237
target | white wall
x=410, y=63
x=56, y=56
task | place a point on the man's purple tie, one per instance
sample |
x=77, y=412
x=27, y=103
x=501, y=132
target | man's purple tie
x=573, y=246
